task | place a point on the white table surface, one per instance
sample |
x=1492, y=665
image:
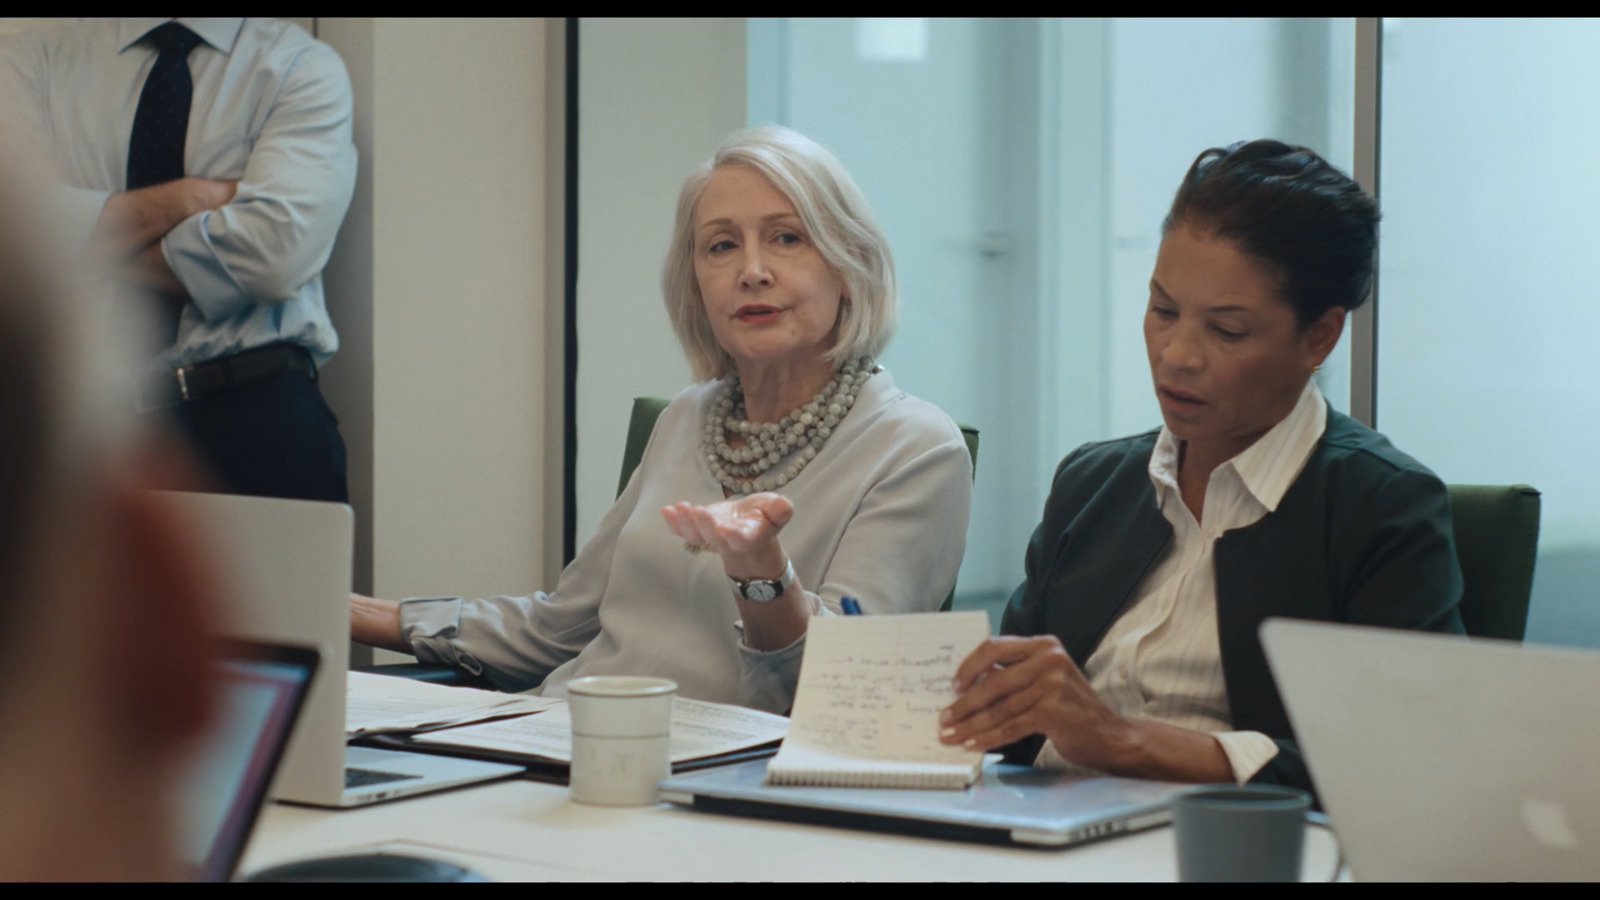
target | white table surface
x=529, y=831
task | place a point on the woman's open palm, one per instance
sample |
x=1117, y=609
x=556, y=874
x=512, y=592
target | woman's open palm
x=737, y=527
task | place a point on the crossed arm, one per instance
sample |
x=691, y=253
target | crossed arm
x=132, y=224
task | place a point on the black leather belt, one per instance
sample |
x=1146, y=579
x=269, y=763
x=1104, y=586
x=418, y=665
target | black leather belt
x=169, y=388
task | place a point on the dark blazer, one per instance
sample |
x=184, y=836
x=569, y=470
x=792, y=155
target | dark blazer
x=1363, y=535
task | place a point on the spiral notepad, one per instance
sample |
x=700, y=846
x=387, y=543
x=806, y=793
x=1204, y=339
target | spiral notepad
x=866, y=712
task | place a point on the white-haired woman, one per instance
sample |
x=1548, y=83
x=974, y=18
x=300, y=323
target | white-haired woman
x=792, y=475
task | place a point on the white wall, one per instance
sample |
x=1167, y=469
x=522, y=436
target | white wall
x=655, y=98
x=347, y=379
x=438, y=286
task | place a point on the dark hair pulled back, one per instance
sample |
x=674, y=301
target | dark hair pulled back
x=1287, y=207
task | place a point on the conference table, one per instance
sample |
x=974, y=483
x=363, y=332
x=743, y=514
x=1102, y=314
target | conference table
x=530, y=831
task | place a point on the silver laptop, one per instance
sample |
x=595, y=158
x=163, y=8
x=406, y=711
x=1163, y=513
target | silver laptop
x=1441, y=757
x=1010, y=804
x=287, y=564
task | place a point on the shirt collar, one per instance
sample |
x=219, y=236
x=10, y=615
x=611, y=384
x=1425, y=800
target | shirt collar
x=1164, y=465
x=219, y=33
x=1272, y=463
x=1268, y=466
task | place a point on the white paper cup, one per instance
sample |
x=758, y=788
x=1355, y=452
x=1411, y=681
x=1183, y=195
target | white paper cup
x=620, y=730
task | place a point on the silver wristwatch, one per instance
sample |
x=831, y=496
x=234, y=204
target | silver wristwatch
x=764, y=590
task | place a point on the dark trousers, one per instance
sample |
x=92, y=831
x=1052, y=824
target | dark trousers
x=270, y=438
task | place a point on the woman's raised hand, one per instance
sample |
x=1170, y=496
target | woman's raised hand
x=742, y=530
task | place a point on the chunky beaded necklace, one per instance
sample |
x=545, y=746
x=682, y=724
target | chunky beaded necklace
x=751, y=468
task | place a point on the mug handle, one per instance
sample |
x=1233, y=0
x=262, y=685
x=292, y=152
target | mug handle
x=1321, y=821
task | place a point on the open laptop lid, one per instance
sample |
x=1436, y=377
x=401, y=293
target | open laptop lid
x=1443, y=757
x=263, y=688
x=1009, y=804
x=287, y=566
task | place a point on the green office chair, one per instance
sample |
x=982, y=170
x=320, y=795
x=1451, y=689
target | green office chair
x=641, y=422
x=1497, y=541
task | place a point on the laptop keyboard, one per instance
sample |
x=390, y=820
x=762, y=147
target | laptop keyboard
x=354, y=778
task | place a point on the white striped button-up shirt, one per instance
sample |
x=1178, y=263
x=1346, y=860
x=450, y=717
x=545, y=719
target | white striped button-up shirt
x=1161, y=659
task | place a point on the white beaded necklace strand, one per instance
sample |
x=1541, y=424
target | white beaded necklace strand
x=801, y=432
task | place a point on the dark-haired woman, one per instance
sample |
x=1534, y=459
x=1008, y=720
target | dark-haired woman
x=1131, y=646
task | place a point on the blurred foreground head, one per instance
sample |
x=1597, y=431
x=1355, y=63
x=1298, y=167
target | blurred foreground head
x=105, y=680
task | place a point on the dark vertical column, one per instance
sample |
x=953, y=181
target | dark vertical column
x=569, y=492
x=1368, y=156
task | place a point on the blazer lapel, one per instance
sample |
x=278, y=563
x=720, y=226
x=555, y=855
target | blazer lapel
x=1112, y=547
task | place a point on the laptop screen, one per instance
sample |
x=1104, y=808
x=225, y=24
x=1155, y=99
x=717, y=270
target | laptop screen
x=261, y=690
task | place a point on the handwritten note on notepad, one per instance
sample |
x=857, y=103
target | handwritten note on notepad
x=866, y=712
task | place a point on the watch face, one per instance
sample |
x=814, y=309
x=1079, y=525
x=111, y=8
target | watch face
x=761, y=591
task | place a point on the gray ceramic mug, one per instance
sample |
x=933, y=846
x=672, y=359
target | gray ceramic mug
x=1253, y=832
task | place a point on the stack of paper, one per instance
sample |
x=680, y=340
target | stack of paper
x=699, y=730
x=384, y=704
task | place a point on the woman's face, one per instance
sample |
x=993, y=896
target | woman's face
x=769, y=294
x=1226, y=354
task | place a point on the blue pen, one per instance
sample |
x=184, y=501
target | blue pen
x=850, y=606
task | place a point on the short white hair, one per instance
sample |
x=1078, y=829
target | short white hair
x=836, y=217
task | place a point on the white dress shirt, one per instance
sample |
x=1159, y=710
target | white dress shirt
x=271, y=108
x=880, y=515
x=1161, y=658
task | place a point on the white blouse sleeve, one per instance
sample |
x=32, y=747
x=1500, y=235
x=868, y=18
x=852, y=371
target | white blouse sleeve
x=516, y=641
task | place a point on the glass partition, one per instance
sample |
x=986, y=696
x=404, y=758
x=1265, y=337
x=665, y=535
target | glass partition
x=1489, y=313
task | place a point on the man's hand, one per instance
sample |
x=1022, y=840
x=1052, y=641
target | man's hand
x=149, y=268
x=132, y=220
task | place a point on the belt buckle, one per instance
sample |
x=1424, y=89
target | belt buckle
x=156, y=394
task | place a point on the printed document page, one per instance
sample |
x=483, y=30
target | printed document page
x=377, y=704
x=699, y=729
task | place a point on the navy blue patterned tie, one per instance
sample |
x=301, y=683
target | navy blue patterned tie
x=155, y=152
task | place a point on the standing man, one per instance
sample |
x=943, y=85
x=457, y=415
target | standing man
x=208, y=163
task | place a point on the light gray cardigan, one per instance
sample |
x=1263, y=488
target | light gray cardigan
x=880, y=515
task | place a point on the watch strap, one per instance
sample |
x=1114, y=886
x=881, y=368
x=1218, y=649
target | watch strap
x=765, y=590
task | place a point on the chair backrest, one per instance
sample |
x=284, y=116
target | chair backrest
x=970, y=435
x=643, y=420
x=1497, y=541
